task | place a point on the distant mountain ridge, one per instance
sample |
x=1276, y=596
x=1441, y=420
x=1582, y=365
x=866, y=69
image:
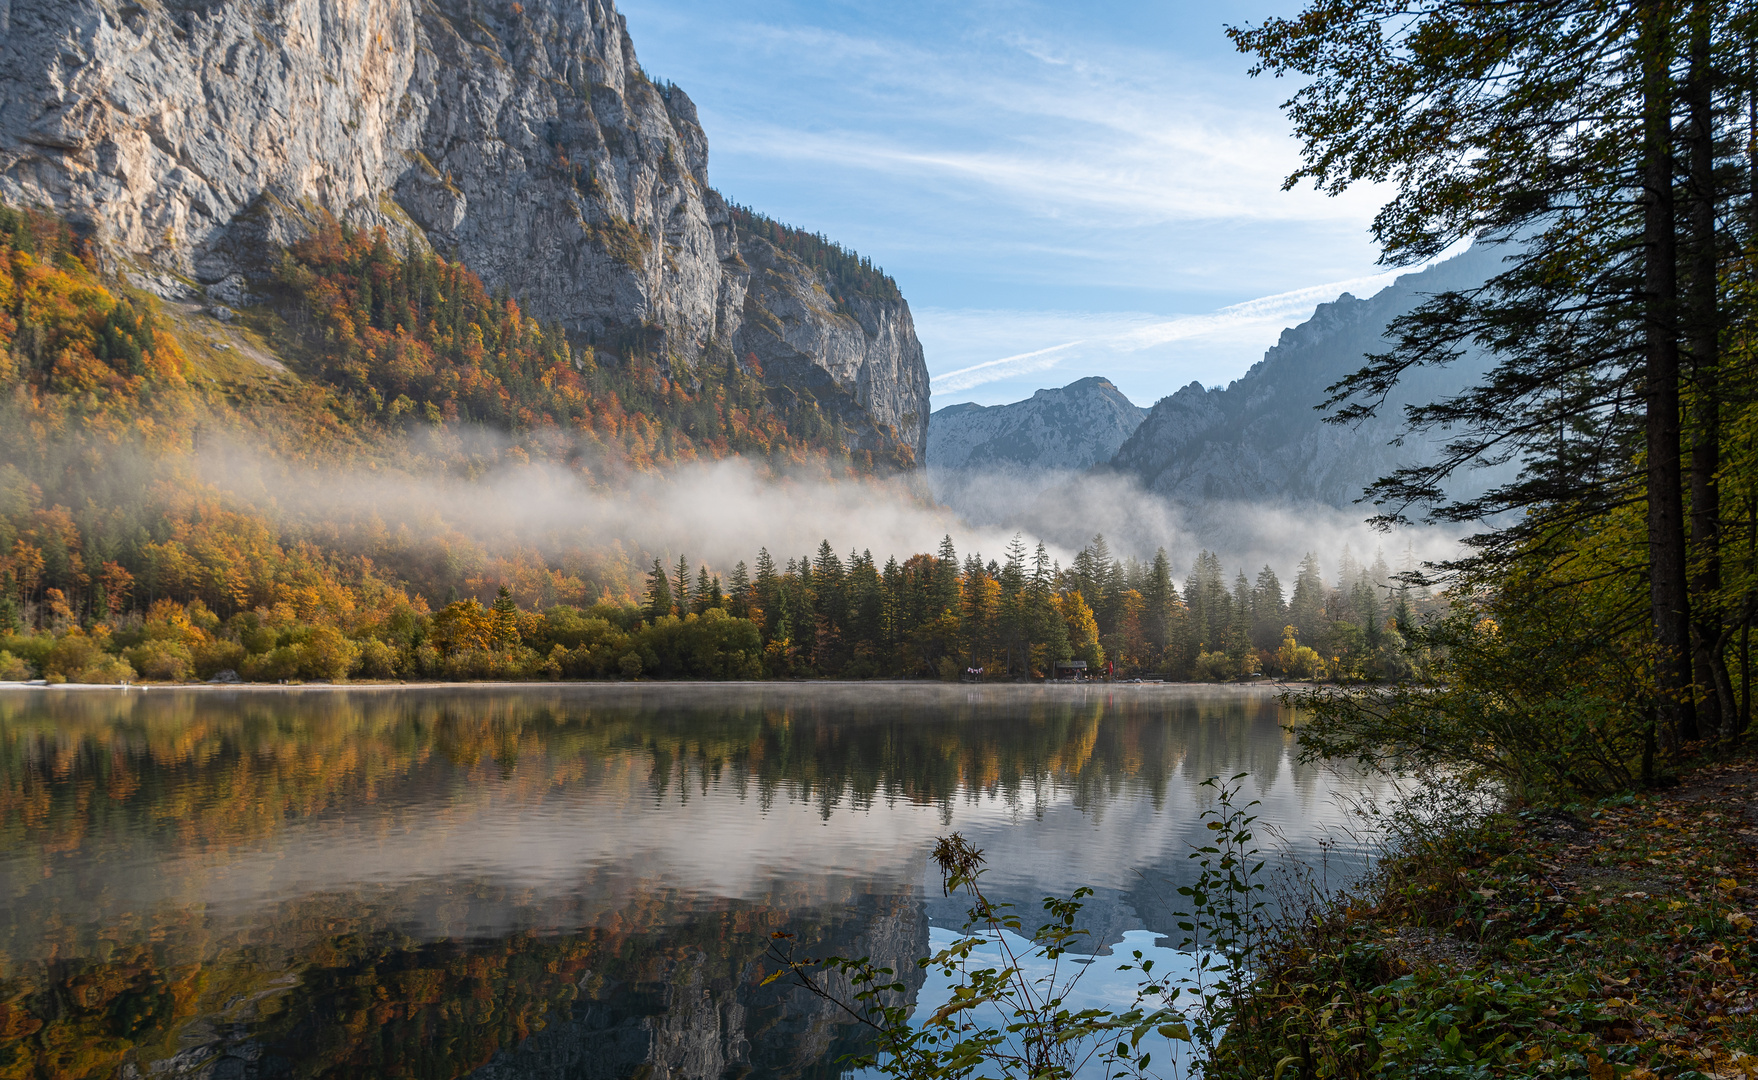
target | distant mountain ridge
x=1072, y=427
x=1261, y=438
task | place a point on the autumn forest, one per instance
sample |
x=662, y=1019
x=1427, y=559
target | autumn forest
x=121, y=560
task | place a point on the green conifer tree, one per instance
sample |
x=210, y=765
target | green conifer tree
x=506, y=619
x=659, y=602
x=1269, y=610
x=700, y=600
x=680, y=586
x=1306, y=609
x=738, y=589
x=1159, y=596
x=946, y=591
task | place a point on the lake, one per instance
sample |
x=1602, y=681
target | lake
x=580, y=880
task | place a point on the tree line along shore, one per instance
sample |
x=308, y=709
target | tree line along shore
x=930, y=616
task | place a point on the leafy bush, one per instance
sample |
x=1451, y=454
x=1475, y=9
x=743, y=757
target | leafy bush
x=377, y=660
x=326, y=654
x=72, y=656
x=276, y=665
x=212, y=657
x=1537, y=699
x=13, y=668
x=713, y=645
x=1214, y=667
x=33, y=649
x=470, y=665
x=165, y=661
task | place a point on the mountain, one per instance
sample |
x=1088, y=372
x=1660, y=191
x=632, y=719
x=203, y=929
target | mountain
x=193, y=141
x=1261, y=438
x=1076, y=427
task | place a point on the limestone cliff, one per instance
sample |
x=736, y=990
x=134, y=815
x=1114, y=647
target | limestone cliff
x=195, y=138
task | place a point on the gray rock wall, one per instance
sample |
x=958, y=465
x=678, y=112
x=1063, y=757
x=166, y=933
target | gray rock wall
x=1261, y=439
x=195, y=137
x=1075, y=427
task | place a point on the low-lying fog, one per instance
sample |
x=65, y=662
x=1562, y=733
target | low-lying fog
x=723, y=512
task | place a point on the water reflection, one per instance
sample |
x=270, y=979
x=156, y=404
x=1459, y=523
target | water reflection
x=556, y=881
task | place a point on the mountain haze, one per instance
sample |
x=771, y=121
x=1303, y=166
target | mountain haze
x=1075, y=427
x=1261, y=439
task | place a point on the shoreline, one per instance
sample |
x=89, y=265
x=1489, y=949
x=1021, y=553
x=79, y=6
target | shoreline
x=40, y=685
x=1616, y=940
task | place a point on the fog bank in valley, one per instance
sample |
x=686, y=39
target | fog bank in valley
x=716, y=512
x=722, y=512
x=1067, y=508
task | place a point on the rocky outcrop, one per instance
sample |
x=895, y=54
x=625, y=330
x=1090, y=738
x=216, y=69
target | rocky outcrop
x=194, y=138
x=1075, y=427
x=1261, y=438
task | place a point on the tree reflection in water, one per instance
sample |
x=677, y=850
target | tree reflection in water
x=554, y=881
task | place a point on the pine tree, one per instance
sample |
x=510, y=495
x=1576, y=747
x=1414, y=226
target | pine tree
x=945, y=596
x=866, y=602
x=1239, y=626
x=1205, y=594
x=1160, y=596
x=1013, y=617
x=680, y=586
x=827, y=583
x=1603, y=316
x=701, y=601
x=506, y=619
x=1269, y=611
x=739, y=592
x=1048, y=628
x=766, y=591
x=893, y=608
x=658, y=592
x=1306, y=609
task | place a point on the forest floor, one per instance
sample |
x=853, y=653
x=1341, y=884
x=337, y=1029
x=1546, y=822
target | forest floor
x=1611, y=940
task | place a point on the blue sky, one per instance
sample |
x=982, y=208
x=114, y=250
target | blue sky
x=1060, y=190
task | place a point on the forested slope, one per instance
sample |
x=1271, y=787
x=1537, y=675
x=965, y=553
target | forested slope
x=127, y=549
x=117, y=404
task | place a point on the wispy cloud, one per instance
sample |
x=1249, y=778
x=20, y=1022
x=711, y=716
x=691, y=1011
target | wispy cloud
x=1256, y=317
x=1054, y=129
x=1005, y=157
x=990, y=370
x=1131, y=182
x=1254, y=324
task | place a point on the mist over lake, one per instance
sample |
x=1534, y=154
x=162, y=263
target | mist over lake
x=322, y=882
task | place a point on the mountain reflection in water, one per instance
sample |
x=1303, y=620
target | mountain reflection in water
x=572, y=881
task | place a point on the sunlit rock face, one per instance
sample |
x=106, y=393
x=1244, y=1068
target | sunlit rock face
x=194, y=138
x=1074, y=427
x=1261, y=439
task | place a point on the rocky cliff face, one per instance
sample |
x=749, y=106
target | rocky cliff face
x=1261, y=439
x=1076, y=427
x=194, y=138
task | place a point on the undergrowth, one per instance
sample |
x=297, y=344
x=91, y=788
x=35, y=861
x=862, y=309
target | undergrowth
x=1604, y=940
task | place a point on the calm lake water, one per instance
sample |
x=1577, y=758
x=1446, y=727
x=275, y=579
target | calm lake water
x=574, y=881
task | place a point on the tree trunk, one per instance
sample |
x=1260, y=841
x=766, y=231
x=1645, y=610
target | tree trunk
x=1713, y=693
x=1668, y=595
